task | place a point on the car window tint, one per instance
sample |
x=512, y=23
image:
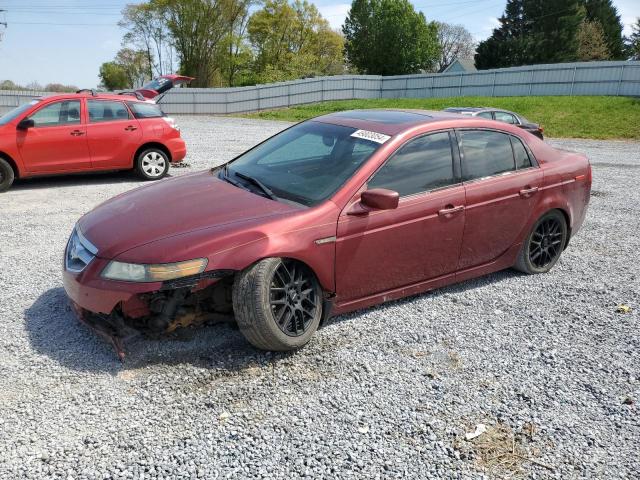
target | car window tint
x=145, y=110
x=423, y=164
x=306, y=163
x=485, y=115
x=520, y=153
x=486, y=153
x=505, y=117
x=59, y=113
x=310, y=145
x=102, y=111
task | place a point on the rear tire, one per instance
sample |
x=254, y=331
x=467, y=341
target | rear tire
x=277, y=304
x=152, y=164
x=542, y=248
x=6, y=175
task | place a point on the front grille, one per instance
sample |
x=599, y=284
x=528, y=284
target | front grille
x=79, y=252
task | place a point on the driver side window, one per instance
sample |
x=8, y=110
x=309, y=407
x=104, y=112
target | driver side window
x=60, y=113
x=423, y=164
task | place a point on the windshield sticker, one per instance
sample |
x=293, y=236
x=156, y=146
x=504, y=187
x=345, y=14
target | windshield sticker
x=373, y=136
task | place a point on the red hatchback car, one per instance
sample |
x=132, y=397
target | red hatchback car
x=87, y=132
x=331, y=215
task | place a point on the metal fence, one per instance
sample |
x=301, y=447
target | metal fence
x=586, y=78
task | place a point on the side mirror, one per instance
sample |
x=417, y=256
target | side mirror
x=26, y=123
x=375, y=199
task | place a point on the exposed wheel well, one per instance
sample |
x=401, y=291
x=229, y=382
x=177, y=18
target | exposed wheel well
x=152, y=145
x=13, y=165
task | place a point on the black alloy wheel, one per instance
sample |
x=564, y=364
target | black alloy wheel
x=546, y=242
x=293, y=298
x=543, y=246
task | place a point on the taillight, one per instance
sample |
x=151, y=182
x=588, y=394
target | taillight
x=540, y=129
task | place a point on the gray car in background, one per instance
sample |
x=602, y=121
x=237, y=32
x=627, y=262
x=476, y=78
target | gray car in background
x=501, y=116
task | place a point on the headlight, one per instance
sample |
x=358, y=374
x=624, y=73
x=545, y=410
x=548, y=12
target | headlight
x=134, y=272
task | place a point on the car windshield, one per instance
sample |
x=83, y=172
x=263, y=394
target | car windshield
x=16, y=112
x=306, y=163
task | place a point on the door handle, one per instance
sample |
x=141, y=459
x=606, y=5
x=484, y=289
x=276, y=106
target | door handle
x=130, y=128
x=450, y=210
x=527, y=192
x=77, y=133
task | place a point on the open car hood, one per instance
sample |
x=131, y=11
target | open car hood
x=162, y=84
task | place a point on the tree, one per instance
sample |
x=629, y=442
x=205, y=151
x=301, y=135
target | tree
x=455, y=42
x=135, y=65
x=198, y=29
x=603, y=12
x=388, y=37
x=60, y=88
x=147, y=31
x=592, y=44
x=533, y=31
x=633, y=42
x=292, y=41
x=113, y=76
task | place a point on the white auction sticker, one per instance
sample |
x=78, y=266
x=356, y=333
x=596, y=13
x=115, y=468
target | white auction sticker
x=373, y=136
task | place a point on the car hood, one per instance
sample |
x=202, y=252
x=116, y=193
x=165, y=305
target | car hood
x=171, y=208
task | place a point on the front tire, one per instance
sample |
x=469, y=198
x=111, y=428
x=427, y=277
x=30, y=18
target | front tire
x=6, y=175
x=544, y=244
x=152, y=164
x=277, y=304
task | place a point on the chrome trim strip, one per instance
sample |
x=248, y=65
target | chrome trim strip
x=322, y=241
x=86, y=243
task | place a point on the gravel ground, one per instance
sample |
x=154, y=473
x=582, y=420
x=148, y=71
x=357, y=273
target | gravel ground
x=385, y=392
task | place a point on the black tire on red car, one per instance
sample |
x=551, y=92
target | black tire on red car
x=6, y=175
x=544, y=244
x=277, y=304
x=152, y=164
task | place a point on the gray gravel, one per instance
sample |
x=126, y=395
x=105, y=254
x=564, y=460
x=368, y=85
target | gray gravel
x=385, y=392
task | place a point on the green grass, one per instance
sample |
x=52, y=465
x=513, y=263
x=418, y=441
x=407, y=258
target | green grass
x=568, y=117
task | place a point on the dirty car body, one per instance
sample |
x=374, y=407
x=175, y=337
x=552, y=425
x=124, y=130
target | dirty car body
x=365, y=206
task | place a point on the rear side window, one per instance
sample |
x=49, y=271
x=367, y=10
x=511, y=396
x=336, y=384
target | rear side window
x=145, y=110
x=59, y=113
x=485, y=115
x=103, y=111
x=423, y=164
x=486, y=154
x=522, y=157
x=505, y=117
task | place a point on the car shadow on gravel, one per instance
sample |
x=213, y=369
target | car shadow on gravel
x=55, y=332
x=77, y=180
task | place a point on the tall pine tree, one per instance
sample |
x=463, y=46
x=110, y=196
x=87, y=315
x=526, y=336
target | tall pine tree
x=533, y=31
x=607, y=16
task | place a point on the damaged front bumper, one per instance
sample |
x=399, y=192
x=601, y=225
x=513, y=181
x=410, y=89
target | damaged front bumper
x=117, y=310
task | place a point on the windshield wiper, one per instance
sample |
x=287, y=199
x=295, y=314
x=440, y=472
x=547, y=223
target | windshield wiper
x=224, y=176
x=258, y=184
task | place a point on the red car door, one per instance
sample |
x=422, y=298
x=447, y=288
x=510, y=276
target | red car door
x=419, y=240
x=57, y=142
x=113, y=134
x=501, y=182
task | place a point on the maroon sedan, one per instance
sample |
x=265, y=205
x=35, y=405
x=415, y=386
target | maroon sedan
x=334, y=214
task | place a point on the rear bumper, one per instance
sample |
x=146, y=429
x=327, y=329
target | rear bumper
x=177, y=148
x=89, y=291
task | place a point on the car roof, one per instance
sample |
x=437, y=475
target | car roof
x=386, y=121
x=96, y=96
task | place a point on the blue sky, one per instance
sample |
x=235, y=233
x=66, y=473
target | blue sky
x=66, y=40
